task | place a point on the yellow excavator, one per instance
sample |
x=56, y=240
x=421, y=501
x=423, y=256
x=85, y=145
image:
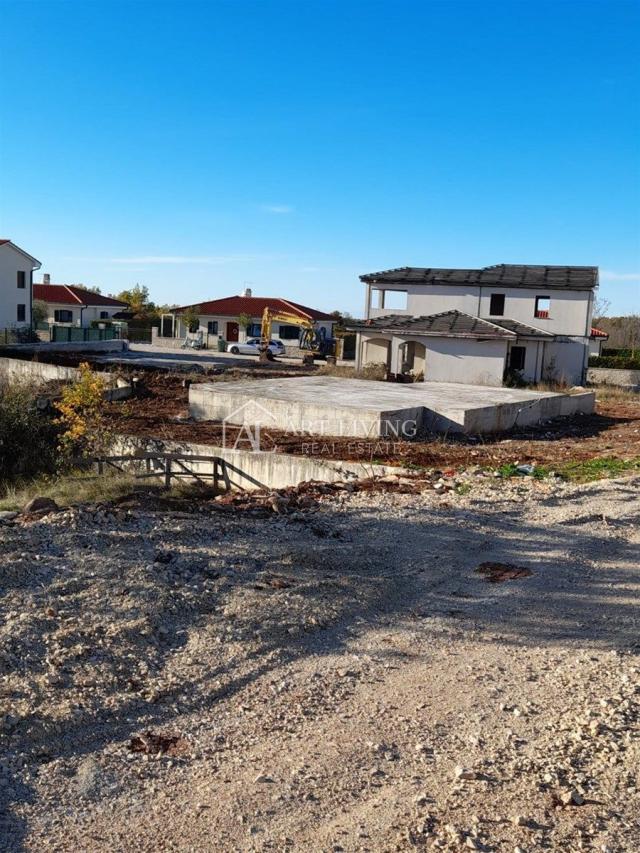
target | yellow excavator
x=311, y=341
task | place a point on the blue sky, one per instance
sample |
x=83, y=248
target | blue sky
x=291, y=146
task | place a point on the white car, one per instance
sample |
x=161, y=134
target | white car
x=252, y=347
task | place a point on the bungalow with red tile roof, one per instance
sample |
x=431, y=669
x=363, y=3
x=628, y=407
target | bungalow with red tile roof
x=70, y=304
x=596, y=339
x=219, y=318
x=16, y=278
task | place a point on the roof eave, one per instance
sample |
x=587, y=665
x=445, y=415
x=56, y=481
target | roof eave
x=35, y=261
x=476, y=336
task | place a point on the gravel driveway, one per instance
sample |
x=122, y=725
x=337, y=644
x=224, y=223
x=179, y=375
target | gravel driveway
x=341, y=678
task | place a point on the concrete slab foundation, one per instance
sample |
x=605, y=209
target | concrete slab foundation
x=327, y=405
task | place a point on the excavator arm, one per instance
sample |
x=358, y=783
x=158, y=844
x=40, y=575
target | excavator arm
x=268, y=317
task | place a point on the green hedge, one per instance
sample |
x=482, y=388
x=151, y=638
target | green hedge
x=621, y=353
x=617, y=362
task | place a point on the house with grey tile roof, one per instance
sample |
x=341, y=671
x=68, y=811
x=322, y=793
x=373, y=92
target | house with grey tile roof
x=478, y=326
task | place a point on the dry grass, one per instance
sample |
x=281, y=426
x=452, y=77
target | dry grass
x=81, y=487
x=68, y=490
x=373, y=371
x=614, y=394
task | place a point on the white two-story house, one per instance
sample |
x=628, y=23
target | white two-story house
x=477, y=326
x=16, y=279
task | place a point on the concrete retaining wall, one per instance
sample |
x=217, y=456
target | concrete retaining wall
x=35, y=371
x=612, y=376
x=39, y=373
x=254, y=470
x=74, y=346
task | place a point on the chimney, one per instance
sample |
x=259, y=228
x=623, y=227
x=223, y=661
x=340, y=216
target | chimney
x=46, y=278
x=246, y=291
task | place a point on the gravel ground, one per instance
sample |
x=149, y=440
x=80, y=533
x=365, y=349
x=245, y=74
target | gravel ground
x=339, y=678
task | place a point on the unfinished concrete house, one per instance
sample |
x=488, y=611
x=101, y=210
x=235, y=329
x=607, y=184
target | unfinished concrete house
x=477, y=326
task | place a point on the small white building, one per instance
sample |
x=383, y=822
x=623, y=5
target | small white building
x=219, y=318
x=596, y=340
x=477, y=326
x=16, y=281
x=68, y=304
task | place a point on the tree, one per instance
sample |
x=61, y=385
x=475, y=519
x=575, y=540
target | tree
x=245, y=320
x=81, y=415
x=600, y=307
x=341, y=317
x=93, y=289
x=137, y=298
x=39, y=312
x=191, y=318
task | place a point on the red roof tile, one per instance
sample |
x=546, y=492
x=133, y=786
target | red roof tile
x=232, y=306
x=70, y=294
x=598, y=333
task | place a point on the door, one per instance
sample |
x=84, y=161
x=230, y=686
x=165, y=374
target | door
x=232, y=332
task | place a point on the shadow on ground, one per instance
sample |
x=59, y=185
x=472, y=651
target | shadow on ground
x=277, y=591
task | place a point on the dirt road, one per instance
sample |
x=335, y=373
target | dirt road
x=336, y=679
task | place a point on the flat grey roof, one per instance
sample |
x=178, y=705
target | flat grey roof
x=499, y=275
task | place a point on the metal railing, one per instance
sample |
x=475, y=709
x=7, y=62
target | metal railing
x=138, y=334
x=22, y=335
x=168, y=466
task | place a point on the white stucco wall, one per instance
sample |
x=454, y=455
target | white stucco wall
x=52, y=308
x=462, y=360
x=10, y=295
x=566, y=360
x=533, y=358
x=80, y=317
x=569, y=310
x=423, y=300
x=569, y=313
x=446, y=359
x=93, y=312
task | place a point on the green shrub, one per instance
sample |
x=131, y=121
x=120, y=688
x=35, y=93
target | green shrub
x=623, y=353
x=28, y=436
x=616, y=362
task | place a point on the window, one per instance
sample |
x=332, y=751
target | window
x=254, y=330
x=104, y=315
x=22, y=279
x=212, y=327
x=496, y=307
x=63, y=315
x=289, y=333
x=395, y=300
x=391, y=300
x=516, y=358
x=22, y=313
x=543, y=304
